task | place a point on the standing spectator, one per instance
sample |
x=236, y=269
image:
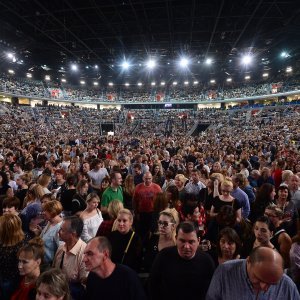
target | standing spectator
x=69, y=256
x=12, y=238
x=111, y=281
x=143, y=198
x=91, y=216
x=182, y=271
x=97, y=174
x=78, y=201
x=113, y=192
x=260, y=276
x=240, y=196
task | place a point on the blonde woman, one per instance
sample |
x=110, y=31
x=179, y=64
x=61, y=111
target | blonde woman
x=224, y=198
x=180, y=181
x=91, y=216
x=163, y=238
x=126, y=244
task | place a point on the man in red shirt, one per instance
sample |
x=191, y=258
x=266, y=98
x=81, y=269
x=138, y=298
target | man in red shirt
x=143, y=198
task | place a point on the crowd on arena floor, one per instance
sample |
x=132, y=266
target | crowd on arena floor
x=151, y=212
x=121, y=93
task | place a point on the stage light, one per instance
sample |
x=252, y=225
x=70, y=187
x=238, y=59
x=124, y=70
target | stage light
x=127, y=84
x=184, y=62
x=289, y=69
x=186, y=83
x=153, y=83
x=139, y=84
x=47, y=77
x=125, y=65
x=95, y=83
x=247, y=59
x=175, y=83
x=247, y=77
x=29, y=75
x=82, y=82
x=151, y=64
x=11, y=71
x=208, y=61
x=265, y=75
x=284, y=54
x=96, y=67
x=229, y=79
x=162, y=83
x=196, y=82
x=74, y=67
x=63, y=80
x=10, y=55
x=110, y=84
x=86, y=67
x=212, y=81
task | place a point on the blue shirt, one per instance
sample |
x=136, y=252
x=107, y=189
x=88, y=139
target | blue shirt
x=242, y=198
x=230, y=281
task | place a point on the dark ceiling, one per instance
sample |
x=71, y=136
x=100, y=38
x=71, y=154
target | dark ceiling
x=90, y=32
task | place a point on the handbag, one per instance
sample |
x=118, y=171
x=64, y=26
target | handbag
x=127, y=247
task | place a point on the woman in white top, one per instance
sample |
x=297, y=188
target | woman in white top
x=91, y=216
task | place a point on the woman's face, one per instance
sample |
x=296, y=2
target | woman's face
x=93, y=204
x=27, y=264
x=9, y=210
x=196, y=214
x=156, y=169
x=283, y=194
x=178, y=183
x=84, y=189
x=47, y=215
x=165, y=225
x=44, y=293
x=104, y=184
x=262, y=232
x=227, y=247
x=124, y=223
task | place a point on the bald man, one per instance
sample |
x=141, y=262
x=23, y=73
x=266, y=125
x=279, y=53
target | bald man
x=258, y=277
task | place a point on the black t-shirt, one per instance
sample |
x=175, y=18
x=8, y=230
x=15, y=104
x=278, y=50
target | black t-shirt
x=173, y=277
x=218, y=203
x=122, y=284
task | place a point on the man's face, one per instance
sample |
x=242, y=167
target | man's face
x=195, y=177
x=263, y=274
x=92, y=258
x=187, y=244
x=137, y=171
x=64, y=233
x=147, y=179
x=85, y=167
x=294, y=183
x=118, y=179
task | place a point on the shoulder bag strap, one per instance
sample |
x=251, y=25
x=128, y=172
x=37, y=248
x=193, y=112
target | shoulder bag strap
x=127, y=247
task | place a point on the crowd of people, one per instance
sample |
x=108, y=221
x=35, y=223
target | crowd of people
x=169, y=92
x=152, y=212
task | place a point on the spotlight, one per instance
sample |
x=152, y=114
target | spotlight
x=63, y=80
x=208, y=61
x=162, y=83
x=127, y=84
x=95, y=83
x=110, y=84
x=96, y=67
x=82, y=82
x=74, y=67
x=212, y=81
x=184, y=62
x=186, y=83
x=247, y=59
x=284, y=54
x=265, y=75
x=47, y=77
x=125, y=65
x=139, y=84
x=247, y=77
x=153, y=83
x=289, y=69
x=11, y=71
x=196, y=82
x=229, y=79
x=10, y=55
x=29, y=75
x=175, y=83
x=151, y=64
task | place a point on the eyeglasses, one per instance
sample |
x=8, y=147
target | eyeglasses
x=164, y=223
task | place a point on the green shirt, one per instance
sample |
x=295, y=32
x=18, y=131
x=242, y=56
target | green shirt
x=109, y=195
